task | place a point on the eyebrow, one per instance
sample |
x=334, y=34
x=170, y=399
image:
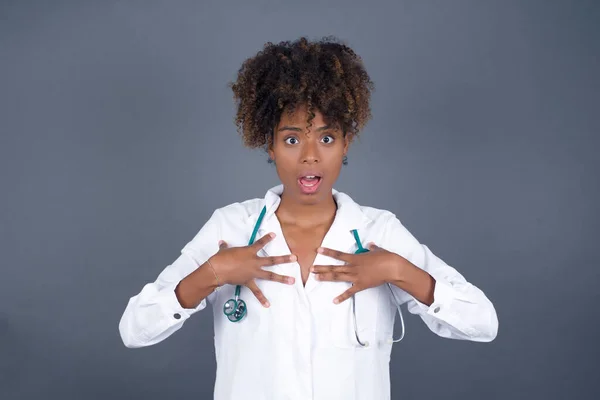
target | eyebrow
x=296, y=129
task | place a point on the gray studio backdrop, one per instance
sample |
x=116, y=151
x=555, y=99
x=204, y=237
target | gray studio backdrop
x=117, y=143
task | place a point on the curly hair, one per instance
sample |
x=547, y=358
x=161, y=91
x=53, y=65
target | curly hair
x=324, y=75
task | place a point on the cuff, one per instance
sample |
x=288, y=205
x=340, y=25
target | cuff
x=171, y=307
x=446, y=308
x=443, y=296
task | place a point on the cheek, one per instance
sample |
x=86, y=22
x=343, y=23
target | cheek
x=334, y=167
x=284, y=168
x=337, y=169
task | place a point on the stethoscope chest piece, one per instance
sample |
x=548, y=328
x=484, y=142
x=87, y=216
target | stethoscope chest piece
x=235, y=309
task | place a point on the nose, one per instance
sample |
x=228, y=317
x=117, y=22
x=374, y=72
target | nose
x=309, y=152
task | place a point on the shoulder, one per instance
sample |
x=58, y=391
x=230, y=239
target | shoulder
x=240, y=210
x=373, y=214
x=379, y=215
x=383, y=221
x=223, y=221
x=389, y=229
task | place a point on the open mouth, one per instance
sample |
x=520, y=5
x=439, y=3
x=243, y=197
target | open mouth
x=309, y=183
x=310, y=180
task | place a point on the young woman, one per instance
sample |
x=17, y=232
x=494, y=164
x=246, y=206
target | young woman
x=305, y=283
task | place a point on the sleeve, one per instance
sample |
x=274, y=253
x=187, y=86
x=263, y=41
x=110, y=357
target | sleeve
x=460, y=310
x=154, y=313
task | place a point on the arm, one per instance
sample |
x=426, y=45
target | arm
x=448, y=304
x=181, y=289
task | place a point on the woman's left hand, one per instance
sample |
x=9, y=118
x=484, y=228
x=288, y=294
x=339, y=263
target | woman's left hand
x=364, y=270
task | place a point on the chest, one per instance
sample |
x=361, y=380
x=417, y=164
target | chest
x=303, y=243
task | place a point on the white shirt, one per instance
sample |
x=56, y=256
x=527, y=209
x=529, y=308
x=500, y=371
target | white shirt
x=303, y=346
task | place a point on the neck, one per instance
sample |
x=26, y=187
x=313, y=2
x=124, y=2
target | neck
x=291, y=211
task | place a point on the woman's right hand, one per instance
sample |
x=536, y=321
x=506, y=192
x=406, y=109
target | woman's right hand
x=242, y=265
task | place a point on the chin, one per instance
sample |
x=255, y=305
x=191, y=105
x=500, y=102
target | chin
x=308, y=198
x=312, y=198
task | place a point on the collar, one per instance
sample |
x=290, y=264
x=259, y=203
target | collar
x=349, y=214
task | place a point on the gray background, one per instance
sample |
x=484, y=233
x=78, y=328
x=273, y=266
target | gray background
x=117, y=143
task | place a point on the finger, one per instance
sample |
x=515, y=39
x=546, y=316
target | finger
x=222, y=245
x=272, y=276
x=346, y=295
x=275, y=260
x=258, y=293
x=334, y=276
x=260, y=243
x=338, y=255
x=319, y=269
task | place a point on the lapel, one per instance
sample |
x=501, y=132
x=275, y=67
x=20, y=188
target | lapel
x=349, y=216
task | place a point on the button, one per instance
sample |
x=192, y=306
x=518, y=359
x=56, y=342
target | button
x=435, y=310
x=176, y=315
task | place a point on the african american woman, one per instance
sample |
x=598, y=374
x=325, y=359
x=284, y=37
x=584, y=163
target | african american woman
x=305, y=283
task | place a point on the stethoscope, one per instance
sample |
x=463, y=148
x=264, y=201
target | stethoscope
x=235, y=309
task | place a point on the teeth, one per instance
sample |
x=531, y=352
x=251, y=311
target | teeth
x=311, y=178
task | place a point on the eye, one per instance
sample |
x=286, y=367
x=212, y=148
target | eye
x=328, y=139
x=291, y=140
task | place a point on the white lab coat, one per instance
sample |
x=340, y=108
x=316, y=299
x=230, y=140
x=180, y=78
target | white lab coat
x=303, y=346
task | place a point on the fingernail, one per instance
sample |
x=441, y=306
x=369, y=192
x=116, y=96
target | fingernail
x=267, y=304
x=336, y=301
x=320, y=250
x=291, y=281
x=272, y=234
x=293, y=258
x=220, y=242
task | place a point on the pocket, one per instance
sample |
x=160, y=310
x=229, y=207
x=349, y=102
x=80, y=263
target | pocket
x=344, y=332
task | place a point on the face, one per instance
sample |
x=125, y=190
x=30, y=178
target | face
x=308, y=162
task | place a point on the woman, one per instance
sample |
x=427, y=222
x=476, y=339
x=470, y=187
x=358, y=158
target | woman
x=318, y=317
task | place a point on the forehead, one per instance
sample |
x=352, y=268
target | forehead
x=299, y=118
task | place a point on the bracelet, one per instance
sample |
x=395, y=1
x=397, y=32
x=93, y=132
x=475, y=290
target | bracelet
x=216, y=277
